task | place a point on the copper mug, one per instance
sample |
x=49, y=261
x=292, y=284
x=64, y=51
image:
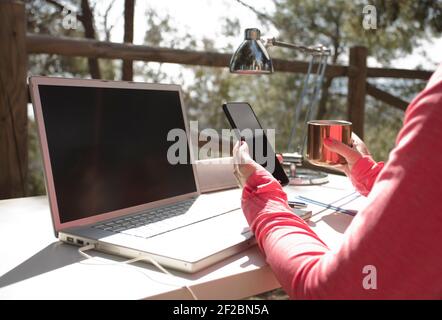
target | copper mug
x=318, y=131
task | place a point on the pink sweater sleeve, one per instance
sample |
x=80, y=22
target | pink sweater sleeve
x=364, y=173
x=398, y=233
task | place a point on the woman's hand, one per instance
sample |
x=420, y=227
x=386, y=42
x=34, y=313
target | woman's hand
x=351, y=154
x=243, y=164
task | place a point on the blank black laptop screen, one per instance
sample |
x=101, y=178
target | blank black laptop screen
x=108, y=148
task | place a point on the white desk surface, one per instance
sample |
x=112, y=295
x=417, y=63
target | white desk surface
x=35, y=265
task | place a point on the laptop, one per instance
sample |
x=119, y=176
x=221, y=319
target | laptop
x=109, y=180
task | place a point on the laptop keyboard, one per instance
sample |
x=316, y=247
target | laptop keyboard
x=155, y=221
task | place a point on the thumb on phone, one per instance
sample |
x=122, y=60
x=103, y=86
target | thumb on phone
x=280, y=158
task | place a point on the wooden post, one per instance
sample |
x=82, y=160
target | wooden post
x=356, y=88
x=129, y=7
x=87, y=19
x=13, y=97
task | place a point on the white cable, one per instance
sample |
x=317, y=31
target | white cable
x=86, y=248
x=156, y=264
x=82, y=251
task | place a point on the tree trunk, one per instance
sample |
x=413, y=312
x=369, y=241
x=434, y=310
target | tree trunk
x=87, y=19
x=13, y=97
x=129, y=6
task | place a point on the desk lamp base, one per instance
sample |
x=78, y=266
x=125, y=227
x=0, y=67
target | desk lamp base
x=300, y=176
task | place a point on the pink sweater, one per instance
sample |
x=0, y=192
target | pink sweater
x=398, y=234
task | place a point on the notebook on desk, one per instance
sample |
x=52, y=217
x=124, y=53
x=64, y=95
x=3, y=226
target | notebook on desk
x=106, y=149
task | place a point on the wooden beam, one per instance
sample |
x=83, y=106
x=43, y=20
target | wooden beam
x=356, y=89
x=75, y=47
x=110, y=50
x=386, y=97
x=13, y=96
x=399, y=73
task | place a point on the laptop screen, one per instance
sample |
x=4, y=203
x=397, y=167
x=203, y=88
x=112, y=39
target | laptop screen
x=108, y=148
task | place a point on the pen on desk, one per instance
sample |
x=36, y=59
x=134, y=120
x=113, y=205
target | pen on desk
x=297, y=204
x=328, y=206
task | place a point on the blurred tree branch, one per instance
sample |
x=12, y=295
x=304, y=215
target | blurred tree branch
x=257, y=12
x=87, y=19
x=107, y=28
x=56, y=4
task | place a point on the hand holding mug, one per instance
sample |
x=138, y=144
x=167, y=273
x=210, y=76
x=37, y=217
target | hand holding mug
x=351, y=153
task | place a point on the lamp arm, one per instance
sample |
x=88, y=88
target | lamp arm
x=319, y=50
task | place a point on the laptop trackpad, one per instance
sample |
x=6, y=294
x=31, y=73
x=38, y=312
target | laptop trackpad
x=194, y=242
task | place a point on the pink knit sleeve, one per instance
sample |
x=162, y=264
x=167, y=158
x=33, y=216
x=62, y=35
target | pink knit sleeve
x=364, y=174
x=264, y=195
x=397, y=236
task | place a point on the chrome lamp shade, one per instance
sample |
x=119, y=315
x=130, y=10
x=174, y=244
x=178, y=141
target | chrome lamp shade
x=251, y=57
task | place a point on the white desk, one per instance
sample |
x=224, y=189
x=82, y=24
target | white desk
x=35, y=265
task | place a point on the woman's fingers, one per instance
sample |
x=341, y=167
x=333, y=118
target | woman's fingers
x=238, y=153
x=236, y=146
x=238, y=175
x=347, y=152
x=243, y=164
x=340, y=167
x=244, y=153
x=279, y=157
x=359, y=145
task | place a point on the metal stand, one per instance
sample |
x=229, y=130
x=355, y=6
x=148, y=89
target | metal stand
x=300, y=176
x=310, y=94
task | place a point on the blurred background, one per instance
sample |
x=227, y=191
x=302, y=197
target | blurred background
x=407, y=35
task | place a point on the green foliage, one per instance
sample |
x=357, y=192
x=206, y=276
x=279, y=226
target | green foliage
x=337, y=24
x=44, y=18
x=384, y=125
x=35, y=180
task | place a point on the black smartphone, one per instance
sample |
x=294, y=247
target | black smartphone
x=242, y=117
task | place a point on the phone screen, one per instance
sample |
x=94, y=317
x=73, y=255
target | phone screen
x=241, y=116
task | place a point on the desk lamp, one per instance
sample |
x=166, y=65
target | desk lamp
x=252, y=57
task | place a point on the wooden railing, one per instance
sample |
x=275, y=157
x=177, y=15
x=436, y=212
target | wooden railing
x=16, y=45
